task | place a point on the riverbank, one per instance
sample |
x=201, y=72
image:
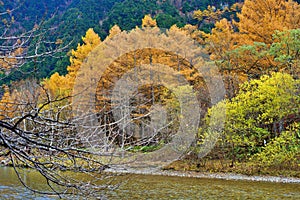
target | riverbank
x=192, y=174
x=174, y=170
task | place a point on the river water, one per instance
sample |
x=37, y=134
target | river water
x=160, y=187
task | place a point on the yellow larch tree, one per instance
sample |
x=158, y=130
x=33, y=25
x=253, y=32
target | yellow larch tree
x=147, y=21
x=193, y=32
x=149, y=56
x=114, y=31
x=58, y=86
x=61, y=86
x=6, y=104
x=241, y=48
x=9, y=61
x=90, y=41
x=209, y=15
x=259, y=19
x=221, y=39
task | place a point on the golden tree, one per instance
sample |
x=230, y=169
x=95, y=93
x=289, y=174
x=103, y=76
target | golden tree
x=211, y=14
x=90, y=41
x=58, y=86
x=114, y=31
x=9, y=61
x=61, y=86
x=127, y=54
x=246, y=53
x=221, y=39
x=6, y=104
x=258, y=19
x=147, y=21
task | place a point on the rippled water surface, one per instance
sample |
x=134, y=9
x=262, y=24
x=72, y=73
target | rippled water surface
x=160, y=187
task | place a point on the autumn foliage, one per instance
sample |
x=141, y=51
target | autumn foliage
x=61, y=86
x=257, y=52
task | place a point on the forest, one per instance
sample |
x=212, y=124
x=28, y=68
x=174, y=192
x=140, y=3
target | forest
x=218, y=81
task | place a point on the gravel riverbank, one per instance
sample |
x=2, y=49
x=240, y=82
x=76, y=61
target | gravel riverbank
x=192, y=174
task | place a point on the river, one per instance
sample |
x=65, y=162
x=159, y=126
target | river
x=161, y=187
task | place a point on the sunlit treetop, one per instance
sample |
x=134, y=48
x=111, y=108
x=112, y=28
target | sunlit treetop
x=147, y=21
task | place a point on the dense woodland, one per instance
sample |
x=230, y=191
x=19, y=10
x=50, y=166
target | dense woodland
x=254, y=44
x=67, y=16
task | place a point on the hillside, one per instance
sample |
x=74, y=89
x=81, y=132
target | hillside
x=71, y=19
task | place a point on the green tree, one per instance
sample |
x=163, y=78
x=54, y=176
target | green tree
x=286, y=51
x=260, y=112
x=282, y=152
